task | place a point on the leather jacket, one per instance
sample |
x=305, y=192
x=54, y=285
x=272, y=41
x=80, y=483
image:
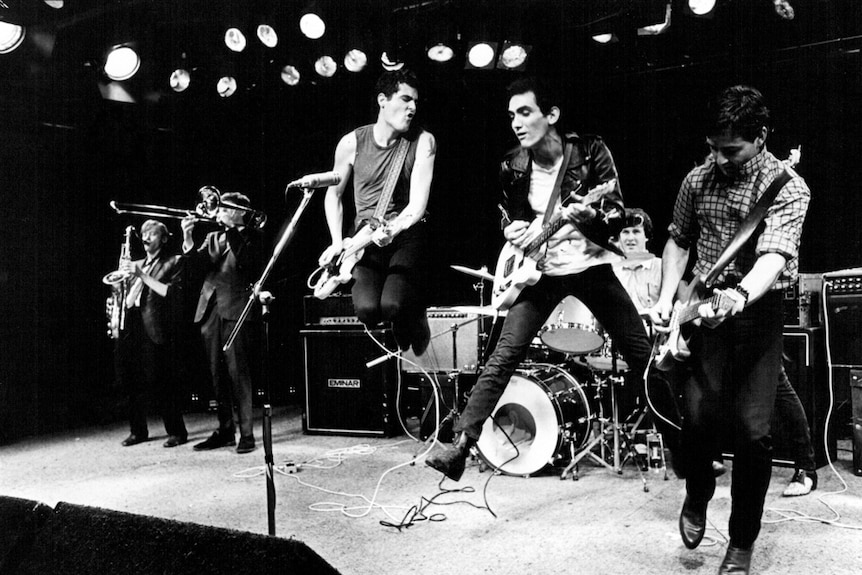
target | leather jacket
x=590, y=164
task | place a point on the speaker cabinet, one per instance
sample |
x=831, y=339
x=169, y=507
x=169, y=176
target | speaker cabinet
x=454, y=343
x=805, y=364
x=856, y=398
x=342, y=394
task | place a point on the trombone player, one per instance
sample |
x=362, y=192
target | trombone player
x=231, y=256
x=144, y=350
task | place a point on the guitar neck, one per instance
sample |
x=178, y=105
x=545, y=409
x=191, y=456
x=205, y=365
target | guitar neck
x=556, y=222
x=690, y=313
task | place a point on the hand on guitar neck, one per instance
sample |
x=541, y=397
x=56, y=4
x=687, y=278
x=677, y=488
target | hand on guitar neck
x=692, y=307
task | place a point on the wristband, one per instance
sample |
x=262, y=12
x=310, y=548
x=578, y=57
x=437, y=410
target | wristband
x=742, y=291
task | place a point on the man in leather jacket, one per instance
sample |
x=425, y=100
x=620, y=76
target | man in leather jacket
x=575, y=261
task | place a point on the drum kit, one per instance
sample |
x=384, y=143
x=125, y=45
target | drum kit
x=561, y=405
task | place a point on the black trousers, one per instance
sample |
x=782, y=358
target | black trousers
x=388, y=284
x=230, y=371
x=599, y=289
x=733, y=381
x=147, y=371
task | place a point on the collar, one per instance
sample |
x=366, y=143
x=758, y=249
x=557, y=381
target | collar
x=754, y=165
x=639, y=263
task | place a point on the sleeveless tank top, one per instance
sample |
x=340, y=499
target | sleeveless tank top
x=370, y=168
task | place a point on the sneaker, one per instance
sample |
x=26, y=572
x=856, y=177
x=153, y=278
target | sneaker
x=246, y=444
x=802, y=483
x=216, y=440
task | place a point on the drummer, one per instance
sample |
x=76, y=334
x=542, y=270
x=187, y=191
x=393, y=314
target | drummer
x=640, y=272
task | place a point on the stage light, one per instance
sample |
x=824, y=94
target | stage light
x=312, y=25
x=55, y=4
x=605, y=38
x=390, y=64
x=234, y=39
x=226, y=86
x=701, y=7
x=355, y=60
x=290, y=75
x=784, y=9
x=325, y=66
x=122, y=63
x=267, y=36
x=513, y=56
x=11, y=36
x=180, y=80
x=656, y=29
x=480, y=55
x=440, y=53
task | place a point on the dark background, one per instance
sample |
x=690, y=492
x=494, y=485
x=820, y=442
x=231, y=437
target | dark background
x=67, y=151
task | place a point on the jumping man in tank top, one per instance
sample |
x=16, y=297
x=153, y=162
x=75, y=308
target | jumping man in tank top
x=388, y=278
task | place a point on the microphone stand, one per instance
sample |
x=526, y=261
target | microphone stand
x=286, y=238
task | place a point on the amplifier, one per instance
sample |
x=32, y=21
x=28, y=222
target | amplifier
x=454, y=343
x=343, y=395
x=802, y=301
x=844, y=316
x=334, y=311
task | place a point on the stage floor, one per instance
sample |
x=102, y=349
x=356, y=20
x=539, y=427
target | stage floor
x=604, y=523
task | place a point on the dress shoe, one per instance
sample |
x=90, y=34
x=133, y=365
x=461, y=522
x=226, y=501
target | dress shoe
x=737, y=561
x=174, y=440
x=802, y=483
x=134, y=439
x=451, y=461
x=216, y=440
x=423, y=336
x=246, y=444
x=692, y=522
x=718, y=468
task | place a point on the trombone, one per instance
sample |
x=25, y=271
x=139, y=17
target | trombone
x=206, y=210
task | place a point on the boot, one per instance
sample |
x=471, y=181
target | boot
x=737, y=561
x=450, y=462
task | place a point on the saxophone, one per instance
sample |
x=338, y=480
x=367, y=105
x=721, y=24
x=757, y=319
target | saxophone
x=118, y=279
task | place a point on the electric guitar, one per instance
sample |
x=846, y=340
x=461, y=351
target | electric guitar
x=326, y=279
x=673, y=345
x=518, y=268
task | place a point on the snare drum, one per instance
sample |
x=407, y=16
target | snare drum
x=602, y=360
x=542, y=409
x=572, y=328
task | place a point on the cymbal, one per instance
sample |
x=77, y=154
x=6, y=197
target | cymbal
x=478, y=309
x=480, y=273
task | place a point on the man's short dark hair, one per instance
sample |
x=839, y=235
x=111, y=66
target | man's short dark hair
x=389, y=81
x=545, y=92
x=638, y=217
x=739, y=110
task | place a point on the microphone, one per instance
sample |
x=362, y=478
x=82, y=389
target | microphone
x=320, y=180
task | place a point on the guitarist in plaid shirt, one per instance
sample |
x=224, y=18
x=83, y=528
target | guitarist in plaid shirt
x=736, y=361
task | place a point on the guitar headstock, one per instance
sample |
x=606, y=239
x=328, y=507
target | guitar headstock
x=794, y=158
x=596, y=193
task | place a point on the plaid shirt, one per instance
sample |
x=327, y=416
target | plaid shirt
x=710, y=208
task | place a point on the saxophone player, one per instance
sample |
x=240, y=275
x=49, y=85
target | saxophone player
x=144, y=359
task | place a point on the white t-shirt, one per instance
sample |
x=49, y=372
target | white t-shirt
x=568, y=251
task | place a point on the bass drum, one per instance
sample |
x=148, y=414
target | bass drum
x=542, y=410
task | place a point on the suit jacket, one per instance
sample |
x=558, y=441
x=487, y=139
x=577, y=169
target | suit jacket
x=157, y=312
x=232, y=258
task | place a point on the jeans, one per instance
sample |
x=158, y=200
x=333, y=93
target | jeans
x=790, y=410
x=388, y=284
x=599, y=289
x=732, y=384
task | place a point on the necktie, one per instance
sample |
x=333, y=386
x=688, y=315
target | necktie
x=133, y=299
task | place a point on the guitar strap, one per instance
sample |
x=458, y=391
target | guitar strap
x=555, y=193
x=747, y=228
x=391, y=180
